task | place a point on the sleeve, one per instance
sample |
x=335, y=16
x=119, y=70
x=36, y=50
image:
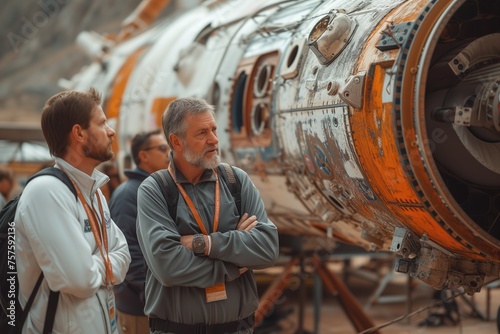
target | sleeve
x=256, y=249
x=123, y=208
x=119, y=254
x=171, y=263
x=49, y=214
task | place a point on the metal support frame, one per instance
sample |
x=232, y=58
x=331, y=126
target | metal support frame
x=333, y=284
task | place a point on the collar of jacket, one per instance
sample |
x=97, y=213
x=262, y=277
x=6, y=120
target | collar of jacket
x=136, y=173
x=88, y=184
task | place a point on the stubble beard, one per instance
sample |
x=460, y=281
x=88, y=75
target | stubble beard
x=97, y=152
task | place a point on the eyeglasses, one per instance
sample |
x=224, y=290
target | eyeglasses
x=162, y=147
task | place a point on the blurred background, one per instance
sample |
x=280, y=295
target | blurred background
x=38, y=49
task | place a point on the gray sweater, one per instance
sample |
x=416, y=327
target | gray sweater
x=176, y=278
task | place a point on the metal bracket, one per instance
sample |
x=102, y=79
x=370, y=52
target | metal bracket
x=405, y=266
x=404, y=242
x=352, y=93
x=394, y=36
x=471, y=283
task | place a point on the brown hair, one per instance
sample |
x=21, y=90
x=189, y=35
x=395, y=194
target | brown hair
x=62, y=111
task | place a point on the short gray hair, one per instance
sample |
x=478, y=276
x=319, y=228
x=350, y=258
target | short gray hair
x=173, y=119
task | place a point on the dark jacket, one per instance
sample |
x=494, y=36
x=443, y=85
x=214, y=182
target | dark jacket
x=123, y=206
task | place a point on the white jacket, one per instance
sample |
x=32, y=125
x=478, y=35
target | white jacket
x=53, y=235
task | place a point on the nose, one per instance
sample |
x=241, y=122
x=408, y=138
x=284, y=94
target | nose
x=213, y=139
x=111, y=132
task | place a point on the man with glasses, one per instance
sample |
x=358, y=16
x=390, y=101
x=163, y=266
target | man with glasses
x=149, y=153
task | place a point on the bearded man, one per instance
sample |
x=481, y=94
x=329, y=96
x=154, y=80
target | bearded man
x=199, y=265
x=75, y=244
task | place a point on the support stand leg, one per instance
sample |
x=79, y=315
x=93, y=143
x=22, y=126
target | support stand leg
x=348, y=302
x=268, y=300
x=333, y=285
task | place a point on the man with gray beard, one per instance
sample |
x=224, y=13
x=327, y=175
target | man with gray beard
x=199, y=265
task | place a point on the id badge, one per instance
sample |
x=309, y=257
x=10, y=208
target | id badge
x=216, y=292
x=111, y=310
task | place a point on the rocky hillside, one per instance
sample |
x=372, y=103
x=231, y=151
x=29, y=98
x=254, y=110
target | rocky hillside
x=38, y=47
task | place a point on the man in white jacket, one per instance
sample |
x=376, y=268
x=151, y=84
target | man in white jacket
x=80, y=250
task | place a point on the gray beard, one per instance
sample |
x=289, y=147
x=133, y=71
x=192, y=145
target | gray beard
x=199, y=161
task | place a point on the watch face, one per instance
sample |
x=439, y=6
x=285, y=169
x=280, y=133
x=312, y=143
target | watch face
x=199, y=244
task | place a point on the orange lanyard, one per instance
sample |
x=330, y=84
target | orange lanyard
x=94, y=225
x=192, y=207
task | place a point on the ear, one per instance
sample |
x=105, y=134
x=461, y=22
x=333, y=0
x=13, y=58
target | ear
x=176, y=141
x=143, y=156
x=77, y=133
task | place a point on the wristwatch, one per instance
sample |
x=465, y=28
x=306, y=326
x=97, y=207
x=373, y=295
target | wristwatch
x=199, y=245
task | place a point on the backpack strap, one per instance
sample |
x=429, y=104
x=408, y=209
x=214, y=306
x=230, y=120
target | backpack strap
x=234, y=184
x=58, y=173
x=165, y=182
x=51, y=308
x=30, y=301
x=51, y=312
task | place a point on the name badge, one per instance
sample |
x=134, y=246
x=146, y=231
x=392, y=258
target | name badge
x=111, y=309
x=216, y=292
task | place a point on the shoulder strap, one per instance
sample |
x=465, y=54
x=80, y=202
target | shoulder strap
x=51, y=312
x=51, y=308
x=27, y=308
x=165, y=182
x=56, y=172
x=234, y=184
